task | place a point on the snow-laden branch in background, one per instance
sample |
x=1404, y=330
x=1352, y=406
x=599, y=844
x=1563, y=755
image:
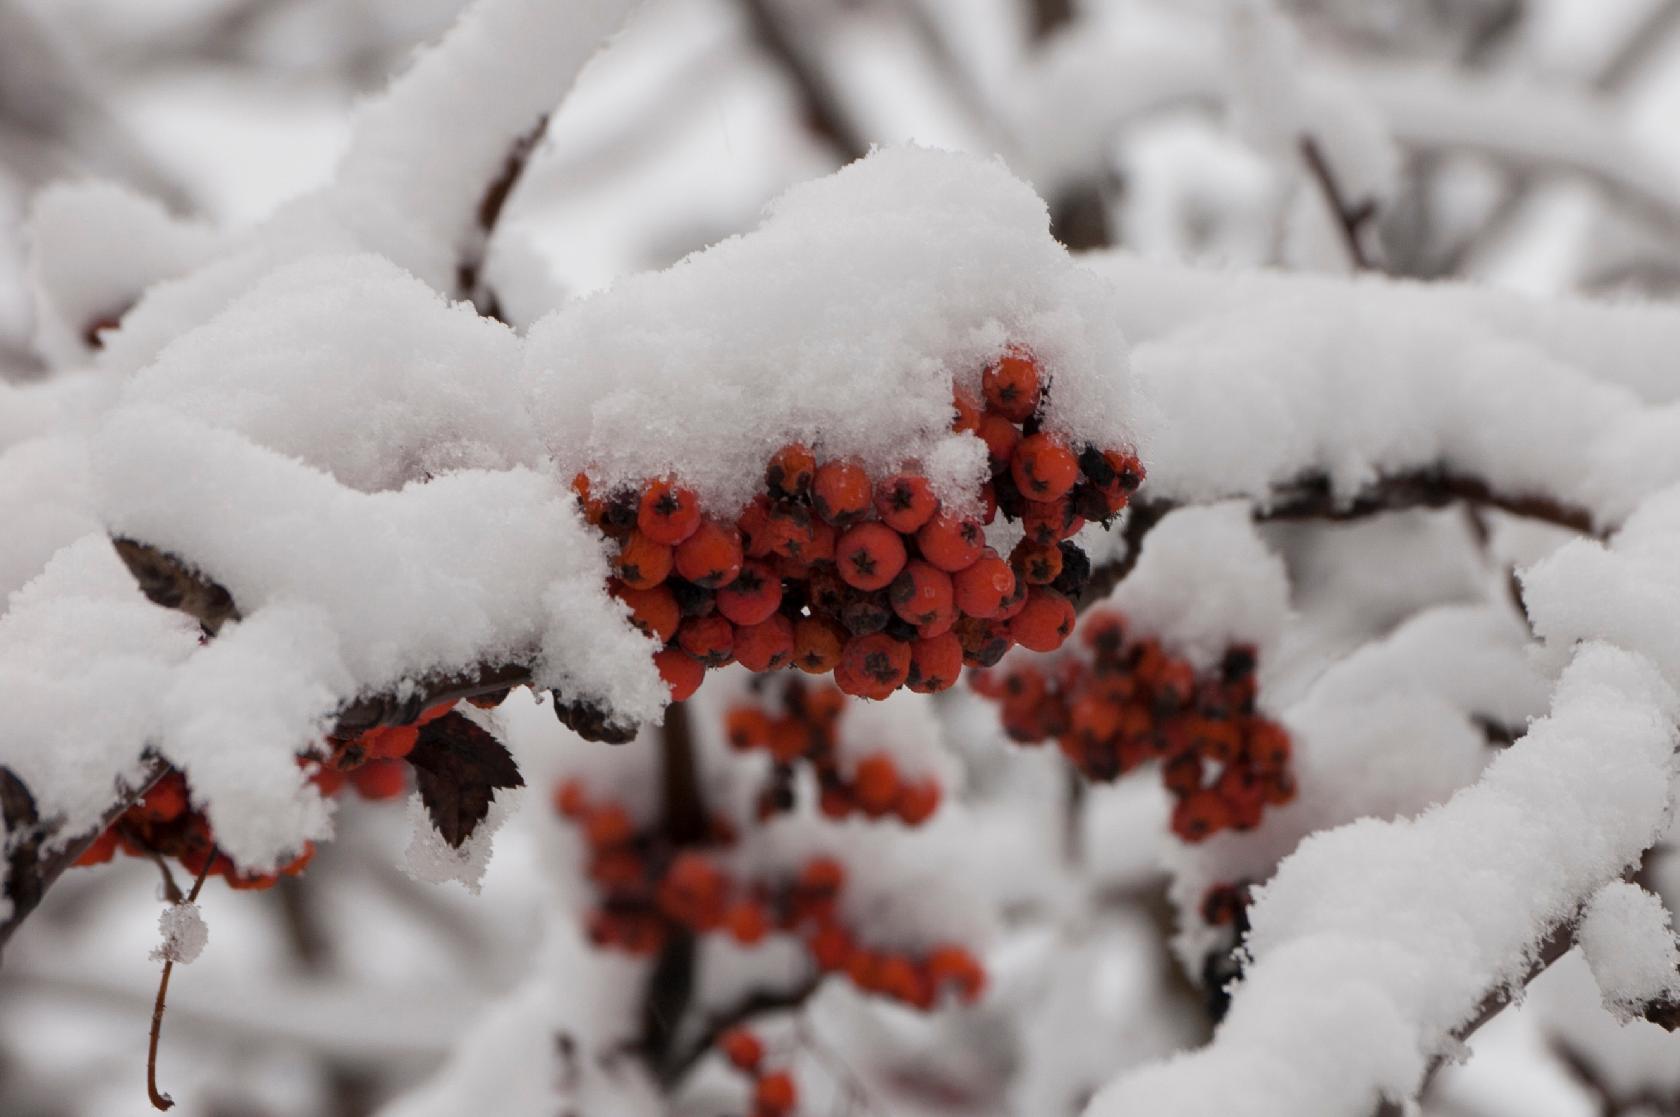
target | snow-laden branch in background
x=1257, y=385
x=1387, y=731
x=1086, y=88
x=421, y=157
x=1627, y=936
x=1376, y=941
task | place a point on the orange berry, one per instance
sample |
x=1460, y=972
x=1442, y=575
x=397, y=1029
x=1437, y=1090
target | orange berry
x=100, y=850
x=380, y=779
x=711, y=555
x=765, y=646
x=751, y=598
x=983, y=641
x=1044, y=468
x=642, y=563
x=1200, y=815
x=822, y=874
x=668, y=513
x=789, y=530
x=824, y=539
x=1038, y=563
x=298, y=864
x=747, y=922
x=165, y=802
x=711, y=639
x=608, y=825
x=905, y=502
x=789, y=739
x=775, y=1094
x=857, y=685
x=1012, y=384
x=917, y=802
x=965, y=411
x=980, y=588
x=1001, y=438
x=747, y=727
x=791, y=470
x=935, y=663
x=742, y=1048
x=388, y=742
x=682, y=672
x=817, y=644
x=923, y=596
x=571, y=798
x=841, y=493
x=654, y=611
x=880, y=661
x=875, y=783
x=869, y=556
x=1267, y=744
x=1044, y=622
x=1047, y=522
x=831, y=947
x=950, y=543
x=954, y=966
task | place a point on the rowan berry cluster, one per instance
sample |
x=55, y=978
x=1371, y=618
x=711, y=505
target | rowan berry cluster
x=774, y=1092
x=651, y=890
x=163, y=823
x=1130, y=701
x=870, y=579
x=806, y=729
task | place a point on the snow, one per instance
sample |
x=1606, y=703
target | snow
x=1252, y=384
x=1628, y=939
x=431, y=859
x=184, y=934
x=1204, y=582
x=843, y=321
x=1349, y=991
x=78, y=277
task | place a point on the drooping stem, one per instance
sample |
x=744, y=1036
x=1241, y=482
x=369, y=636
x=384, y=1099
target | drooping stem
x=159, y=1099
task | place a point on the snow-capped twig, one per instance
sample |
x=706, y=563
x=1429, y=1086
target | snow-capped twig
x=160, y=1100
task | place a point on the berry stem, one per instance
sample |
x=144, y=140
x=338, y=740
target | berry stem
x=160, y=1100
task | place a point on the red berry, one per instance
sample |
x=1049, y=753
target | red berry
x=747, y=727
x=869, y=556
x=950, y=543
x=654, y=610
x=1000, y=436
x=641, y=562
x=1045, y=469
x=790, y=471
x=817, y=645
x=1038, y=563
x=711, y=556
x=923, y=596
x=984, y=642
x=831, y=947
x=742, y=1048
x=822, y=874
x=102, y=849
x=841, y=493
x=875, y=784
x=1044, y=623
x=165, y=802
x=751, y=598
x=747, y=922
x=380, y=779
x=1200, y=815
x=571, y=799
x=965, y=410
x=1052, y=521
x=980, y=588
x=682, y=672
x=935, y=663
x=710, y=639
x=905, y=502
x=775, y=1094
x=1011, y=384
x=954, y=966
x=766, y=646
x=879, y=661
x=917, y=802
x=668, y=513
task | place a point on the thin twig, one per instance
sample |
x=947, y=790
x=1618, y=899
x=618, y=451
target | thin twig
x=1351, y=217
x=161, y=1100
x=824, y=110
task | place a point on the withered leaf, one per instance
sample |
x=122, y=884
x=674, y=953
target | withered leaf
x=458, y=765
